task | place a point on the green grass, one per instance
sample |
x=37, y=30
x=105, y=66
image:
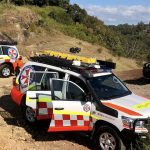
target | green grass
x=4, y=7
x=71, y=29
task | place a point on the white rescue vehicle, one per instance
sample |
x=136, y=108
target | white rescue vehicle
x=81, y=95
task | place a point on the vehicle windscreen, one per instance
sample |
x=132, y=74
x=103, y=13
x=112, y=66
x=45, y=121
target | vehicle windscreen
x=108, y=87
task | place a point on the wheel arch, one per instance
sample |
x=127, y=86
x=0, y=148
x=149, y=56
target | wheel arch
x=100, y=123
x=10, y=64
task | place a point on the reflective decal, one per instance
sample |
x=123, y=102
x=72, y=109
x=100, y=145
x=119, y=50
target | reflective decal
x=86, y=108
x=95, y=117
x=24, y=78
x=44, y=99
x=12, y=53
x=142, y=105
x=122, y=109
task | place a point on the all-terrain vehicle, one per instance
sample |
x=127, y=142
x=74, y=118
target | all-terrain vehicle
x=81, y=94
x=146, y=70
x=10, y=60
x=75, y=50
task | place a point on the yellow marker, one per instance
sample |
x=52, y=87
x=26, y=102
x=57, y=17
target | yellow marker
x=88, y=60
x=41, y=99
x=44, y=99
x=61, y=112
x=142, y=105
x=95, y=117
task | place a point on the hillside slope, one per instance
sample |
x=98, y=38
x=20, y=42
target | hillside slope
x=26, y=25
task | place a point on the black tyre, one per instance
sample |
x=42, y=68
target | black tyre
x=29, y=115
x=106, y=138
x=5, y=70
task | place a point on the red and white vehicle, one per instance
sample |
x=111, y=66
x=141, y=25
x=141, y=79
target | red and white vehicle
x=86, y=98
x=10, y=60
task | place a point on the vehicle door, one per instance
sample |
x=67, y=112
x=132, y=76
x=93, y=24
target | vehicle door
x=70, y=107
x=39, y=95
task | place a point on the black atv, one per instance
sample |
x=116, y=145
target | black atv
x=75, y=50
x=146, y=70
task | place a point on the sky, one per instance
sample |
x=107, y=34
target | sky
x=114, y=12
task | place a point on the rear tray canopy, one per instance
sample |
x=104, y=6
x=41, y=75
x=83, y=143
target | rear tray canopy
x=4, y=42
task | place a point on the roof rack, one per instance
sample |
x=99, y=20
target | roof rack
x=66, y=61
x=5, y=42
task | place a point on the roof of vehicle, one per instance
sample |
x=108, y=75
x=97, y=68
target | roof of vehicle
x=54, y=68
x=87, y=67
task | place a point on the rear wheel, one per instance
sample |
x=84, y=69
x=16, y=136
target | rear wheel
x=5, y=70
x=29, y=114
x=107, y=138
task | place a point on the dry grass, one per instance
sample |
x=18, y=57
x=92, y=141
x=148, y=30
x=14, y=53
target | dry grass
x=60, y=42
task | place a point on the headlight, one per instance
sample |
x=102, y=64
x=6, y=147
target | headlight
x=139, y=125
x=127, y=122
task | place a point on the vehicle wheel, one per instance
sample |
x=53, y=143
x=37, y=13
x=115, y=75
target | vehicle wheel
x=5, y=70
x=107, y=138
x=29, y=115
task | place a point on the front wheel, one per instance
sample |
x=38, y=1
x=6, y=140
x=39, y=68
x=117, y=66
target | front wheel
x=5, y=70
x=107, y=138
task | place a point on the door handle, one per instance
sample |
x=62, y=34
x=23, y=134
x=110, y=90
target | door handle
x=33, y=98
x=59, y=108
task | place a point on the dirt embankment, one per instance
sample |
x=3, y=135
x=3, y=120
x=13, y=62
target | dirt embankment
x=15, y=134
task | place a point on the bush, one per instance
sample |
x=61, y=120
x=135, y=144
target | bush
x=32, y=27
x=61, y=17
x=99, y=50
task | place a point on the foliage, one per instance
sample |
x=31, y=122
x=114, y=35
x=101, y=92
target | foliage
x=61, y=17
x=61, y=3
x=135, y=40
x=76, y=13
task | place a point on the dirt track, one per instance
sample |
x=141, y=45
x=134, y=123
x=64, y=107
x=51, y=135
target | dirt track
x=16, y=134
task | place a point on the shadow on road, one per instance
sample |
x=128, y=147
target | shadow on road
x=13, y=116
x=140, y=81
